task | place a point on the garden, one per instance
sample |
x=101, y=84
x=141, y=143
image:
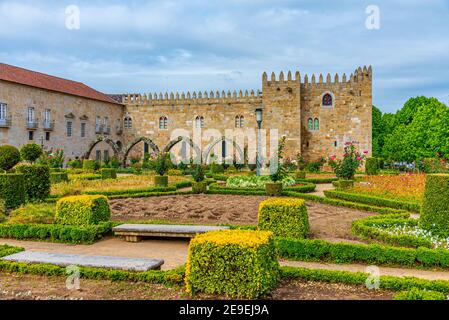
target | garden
x=283, y=231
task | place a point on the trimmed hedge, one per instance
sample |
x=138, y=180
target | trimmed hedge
x=372, y=200
x=58, y=177
x=161, y=181
x=419, y=294
x=364, y=228
x=320, y=250
x=55, y=232
x=284, y=217
x=435, y=208
x=6, y=250
x=37, y=181
x=307, y=187
x=90, y=165
x=9, y=157
x=237, y=263
x=130, y=191
x=372, y=166
x=12, y=189
x=199, y=187
x=317, y=180
x=82, y=210
x=108, y=173
x=273, y=188
x=343, y=184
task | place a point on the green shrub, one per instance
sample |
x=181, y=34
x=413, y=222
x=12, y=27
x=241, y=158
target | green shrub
x=175, y=172
x=300, y=175
x=37, y=181
x=419, y=294
x=198, y=173
x=284, y=217
x=216, y=168
x=314, y=167
x=33, y=213
x=161, y=181
x=372, y=166
x=162, y=163
x=58, y=177
x=2, y=210
x=435, y=208
x=343, y=184
x=273, y=188
x=31, y=152
x=82, y=210
x=12, y=189
x=304, y=188
x=237, y=263
x=9, y=157
x=199, y=187
x=108, y=173
x=75, y=164
x=90, y=165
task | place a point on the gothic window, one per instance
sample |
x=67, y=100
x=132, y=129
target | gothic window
x=128, y=122
x=328, y=100
x=239, y=121
x=199, y=122
x=310, y=124
x=316, y=125
x=163, y=123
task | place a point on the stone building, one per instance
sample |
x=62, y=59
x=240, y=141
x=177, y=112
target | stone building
x=317, y=116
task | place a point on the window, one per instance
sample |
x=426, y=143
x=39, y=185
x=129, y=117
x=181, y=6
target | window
x=30, y=115
x=163, y=123
x=310, y=124
x=30, y=135
x=98, y=155
x=83, y=129
x=328, y=100
x=199, y=122
x=47, y=136
x=335, y=144
x=128, y=123
x=106, y=155
x=47, y=116
x=239, y=121
x=69, y=128
x=223, y=149
x=3, y=111
x=316, y=125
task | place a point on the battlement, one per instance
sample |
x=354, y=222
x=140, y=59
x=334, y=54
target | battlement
x=359, y=75
x=191, y=98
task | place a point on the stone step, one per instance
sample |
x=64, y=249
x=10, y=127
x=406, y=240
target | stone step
x=134, y=232
x=108, y=262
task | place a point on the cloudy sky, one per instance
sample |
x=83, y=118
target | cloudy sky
x=174, y=45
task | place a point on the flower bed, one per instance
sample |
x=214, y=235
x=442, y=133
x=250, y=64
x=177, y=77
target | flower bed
x=255, y=182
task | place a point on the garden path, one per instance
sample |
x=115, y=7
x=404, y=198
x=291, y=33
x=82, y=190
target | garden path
x=320, y=188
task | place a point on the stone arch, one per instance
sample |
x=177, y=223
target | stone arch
x=110, y=142
x=192, y=144
x=213, y=144
x=128, y=149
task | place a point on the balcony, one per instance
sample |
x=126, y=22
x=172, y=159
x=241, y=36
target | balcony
x=119, y=130
x=99, y=128
x=5, y=122
x=48, y=125
x=32, y=124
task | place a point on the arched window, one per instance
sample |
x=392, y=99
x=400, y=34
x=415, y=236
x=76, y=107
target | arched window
x=163, y=123
x=199, y=122
x=128, y=122
x=328, y=100
x=239, y=121
x=316, y=125
x=310, y=124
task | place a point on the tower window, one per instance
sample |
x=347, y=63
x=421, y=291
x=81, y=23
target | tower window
x=128, y=122
x=163, y=123
x=239, y=121
x=310, y=124
x=328, y=100
x=316, y=125
x=199, y=122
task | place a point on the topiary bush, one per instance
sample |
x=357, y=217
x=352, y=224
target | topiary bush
x=82, y=210
x=90, y=165
x=9, y=157
x=108, y=173
x=31, y=152
x=343, y=184
x=285, y=217
x=372, y=166
x=37, y=181
x=12, y=189
x=435, y=208
x=237, y=263
x=42, y=213
x=58, y=177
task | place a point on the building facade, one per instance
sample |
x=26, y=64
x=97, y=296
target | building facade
x=316, y=115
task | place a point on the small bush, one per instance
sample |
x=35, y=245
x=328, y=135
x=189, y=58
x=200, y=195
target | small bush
x=284, y=217
x=2, y=210
x=107, y=173
x=12, y=189
x=9, y=157
x=162, y=163
x=372, y=166
x=435, y=208
x=419, y=294
x=198, y=173
x=58, y=177
x=216, y=168
x=343, y=184
x=237, y=263
x=37, y=181
x=90, y=165
x=161, y=181
x=31, y=152
x=175, y=172
x=82, y=210
x=75, y=164
x=33, y=213
x=273, y=188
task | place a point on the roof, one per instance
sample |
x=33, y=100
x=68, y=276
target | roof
x=47, y=82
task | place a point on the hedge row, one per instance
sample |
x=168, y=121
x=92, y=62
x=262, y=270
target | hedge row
x=12, y=189
x=55, y=233
x=307, y=187
x=317, y=180
x=6, y=250
x=364, y=228
x=239, y=192
x=320, y=250
x=419, y=294
x=37, y=181
x=359, y=278
x=342, y=203
x=372, y=200
x=131, y=191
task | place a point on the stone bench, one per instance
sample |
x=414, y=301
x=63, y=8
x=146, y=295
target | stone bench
x=64, y=260
x=135, y=232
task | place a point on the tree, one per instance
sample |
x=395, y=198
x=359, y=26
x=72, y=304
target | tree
x=9, y=157
x=31, y=152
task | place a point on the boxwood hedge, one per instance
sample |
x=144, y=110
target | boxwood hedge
x=435, y=209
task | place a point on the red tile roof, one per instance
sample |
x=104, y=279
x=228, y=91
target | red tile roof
x=45, y=81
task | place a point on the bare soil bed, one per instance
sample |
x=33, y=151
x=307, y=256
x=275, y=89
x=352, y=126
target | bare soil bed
x=327, y=222
x=15, y=286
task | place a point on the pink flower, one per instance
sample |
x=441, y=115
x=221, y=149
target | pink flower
x=359, y=158
x=365, y=152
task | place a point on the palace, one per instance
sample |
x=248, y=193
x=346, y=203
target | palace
x=316, y=115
